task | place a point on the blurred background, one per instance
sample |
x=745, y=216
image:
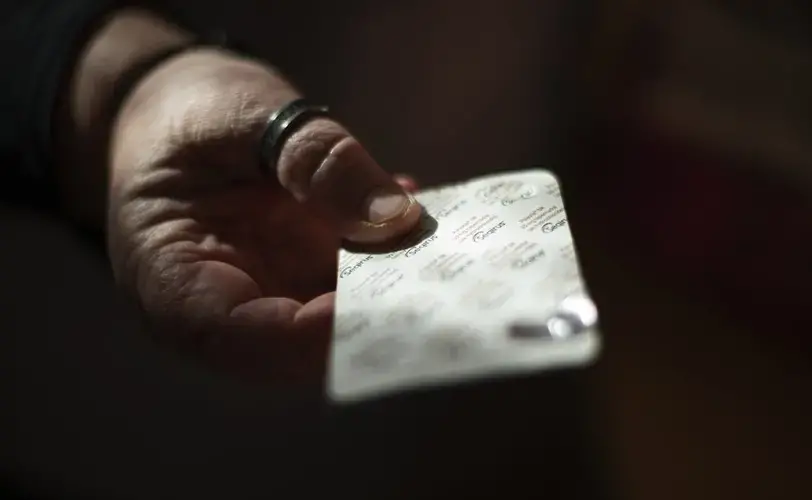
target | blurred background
x=682, y=133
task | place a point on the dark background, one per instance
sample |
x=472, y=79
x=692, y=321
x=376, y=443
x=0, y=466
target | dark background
x=681, y=133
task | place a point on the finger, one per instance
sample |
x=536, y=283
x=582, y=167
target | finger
x=264, y=345
x=322, y=164
x=216, y=313
x=407, y=182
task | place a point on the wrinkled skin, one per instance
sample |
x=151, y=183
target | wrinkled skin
x=232, y=265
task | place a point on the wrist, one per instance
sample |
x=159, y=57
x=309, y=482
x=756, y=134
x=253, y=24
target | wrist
x=128, y=39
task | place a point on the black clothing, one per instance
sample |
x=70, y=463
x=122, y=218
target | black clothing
x=39, y=40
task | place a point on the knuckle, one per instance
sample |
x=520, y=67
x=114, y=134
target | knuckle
x=304, y=151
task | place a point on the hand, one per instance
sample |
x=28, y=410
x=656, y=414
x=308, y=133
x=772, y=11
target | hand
x=237, y=267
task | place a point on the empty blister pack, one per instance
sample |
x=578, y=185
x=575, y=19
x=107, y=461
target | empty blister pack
x=488, y=285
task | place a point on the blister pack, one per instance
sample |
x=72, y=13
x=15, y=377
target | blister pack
x=488, y=285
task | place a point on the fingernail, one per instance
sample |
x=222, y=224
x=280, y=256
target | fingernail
x=386, y=203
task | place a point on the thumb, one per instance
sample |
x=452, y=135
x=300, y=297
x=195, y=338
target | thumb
x=322, y=164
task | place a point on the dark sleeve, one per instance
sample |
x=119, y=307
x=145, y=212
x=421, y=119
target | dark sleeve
x=39, y=40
